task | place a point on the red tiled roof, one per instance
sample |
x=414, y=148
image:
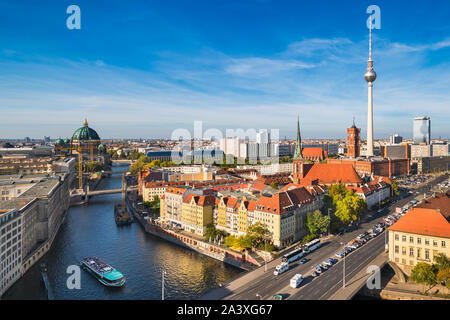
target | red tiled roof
x=440, y=201
x=312, y=152
x=283, y=201
x=200, y=200
x=258, y=186
x=422, y=221
x=333, y=173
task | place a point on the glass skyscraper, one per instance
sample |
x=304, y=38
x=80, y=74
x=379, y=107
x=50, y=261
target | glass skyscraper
x=422, y=130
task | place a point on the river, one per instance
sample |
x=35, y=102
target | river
x=90, y=230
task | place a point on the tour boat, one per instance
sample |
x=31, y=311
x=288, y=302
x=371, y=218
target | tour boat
x=103, y=272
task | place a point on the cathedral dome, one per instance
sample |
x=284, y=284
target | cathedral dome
x=85, y=133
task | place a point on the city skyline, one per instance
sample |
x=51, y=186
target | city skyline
x=130, y=82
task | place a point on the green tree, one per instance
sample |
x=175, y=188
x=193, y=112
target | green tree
x=424, y=273
x=395, y=190
x=230, y=241
x=441, y=261
x=308, y=238
x=317, y=223
x=258, y=233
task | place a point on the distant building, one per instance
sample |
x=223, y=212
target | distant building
x=396, y=151
x=422, y=130
x=440, y=149
x=353, y=149
x=395, y=139
x=430, y=164
x=422, y=150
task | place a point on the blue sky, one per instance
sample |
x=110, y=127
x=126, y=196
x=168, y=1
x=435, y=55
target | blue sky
x=145, y=68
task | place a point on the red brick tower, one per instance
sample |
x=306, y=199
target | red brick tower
x=353, y=141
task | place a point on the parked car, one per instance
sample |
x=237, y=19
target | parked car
x=332, y=260
x=318, y=269
x=327, y=263
x=314, y=274
x=340, y=254
x=304, y=260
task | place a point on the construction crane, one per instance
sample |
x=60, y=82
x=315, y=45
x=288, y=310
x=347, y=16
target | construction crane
x=80, y=149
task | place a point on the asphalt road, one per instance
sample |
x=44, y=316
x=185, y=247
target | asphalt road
x=327, y=283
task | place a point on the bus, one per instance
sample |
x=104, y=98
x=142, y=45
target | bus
x=311, y=246
x=293, y=255
x=284, y=266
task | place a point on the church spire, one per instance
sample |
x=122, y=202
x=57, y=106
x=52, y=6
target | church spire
x=298, y=143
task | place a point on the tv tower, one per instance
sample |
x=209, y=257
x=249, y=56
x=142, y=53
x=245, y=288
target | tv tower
x=370, y=77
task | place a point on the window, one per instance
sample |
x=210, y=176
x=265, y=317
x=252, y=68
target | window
x=418, y=253
x=427, y=242
x=411, y=252
x=396, y=237
x=443, y=244
x=435, y=243
x=419, y=240
x=403, y=238
x=427, y=254
x=403, y=250
x=396, y=249
x=411, y=239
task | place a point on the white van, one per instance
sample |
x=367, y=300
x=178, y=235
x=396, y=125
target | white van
x=279, y=269
x=296, y=280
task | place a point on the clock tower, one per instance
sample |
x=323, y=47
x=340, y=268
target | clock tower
x=353, y=141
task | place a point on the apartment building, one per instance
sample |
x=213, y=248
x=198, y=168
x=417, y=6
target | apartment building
x=421, y=234
x=197, y=213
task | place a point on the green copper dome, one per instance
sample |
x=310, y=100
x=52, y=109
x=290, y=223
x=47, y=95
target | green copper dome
x=67, y=141
x=59, y=141
x=85, y=133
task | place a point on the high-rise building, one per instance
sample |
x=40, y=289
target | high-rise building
x=370, y=77
x=422, y=130
x=395, y=139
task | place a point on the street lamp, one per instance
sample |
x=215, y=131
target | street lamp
x=329, y=221
x=343, y=271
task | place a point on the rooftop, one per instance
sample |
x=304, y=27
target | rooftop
x=440, y=201
x=428, y=222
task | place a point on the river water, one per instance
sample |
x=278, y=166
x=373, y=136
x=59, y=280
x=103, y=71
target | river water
x=90, y=230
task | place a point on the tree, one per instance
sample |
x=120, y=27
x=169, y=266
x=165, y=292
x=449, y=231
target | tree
x=258, y=234
x=443, y=277
x=273, y=185
x=424, y=273
x=230, y=241
x=441, y=261
x=394, y=187
x=317, y=223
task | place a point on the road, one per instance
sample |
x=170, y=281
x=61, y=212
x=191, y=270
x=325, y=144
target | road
x=326, y=284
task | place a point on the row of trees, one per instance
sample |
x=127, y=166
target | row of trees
x=432, y=274
x=256, y=238
x=144, y=163
x=91, y=166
